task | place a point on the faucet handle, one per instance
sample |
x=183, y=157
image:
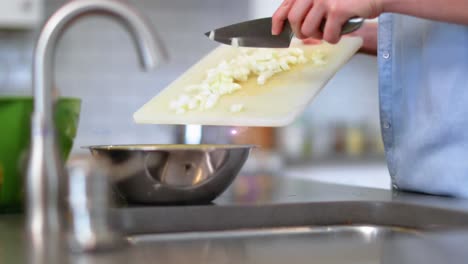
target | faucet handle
x=89, y=203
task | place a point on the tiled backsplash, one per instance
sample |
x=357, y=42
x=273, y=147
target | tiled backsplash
x=97, y=62
x=15, y=61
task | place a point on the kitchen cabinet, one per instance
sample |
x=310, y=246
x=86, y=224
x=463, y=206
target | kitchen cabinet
x=20, y=14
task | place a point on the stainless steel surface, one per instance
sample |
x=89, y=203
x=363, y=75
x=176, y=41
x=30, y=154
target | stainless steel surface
x=189, y=134
x=89, y=199
x=253, y=33
x=162, y=174
x=355, y=244
x=299, y=222
x=45, y=177
x=219, y=218
x=323, y=245
x=257, y=33
x=319, y=232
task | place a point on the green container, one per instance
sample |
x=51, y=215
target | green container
x=15, y=133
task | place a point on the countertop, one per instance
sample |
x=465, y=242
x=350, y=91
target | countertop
x=372, y=174
x=251, y=195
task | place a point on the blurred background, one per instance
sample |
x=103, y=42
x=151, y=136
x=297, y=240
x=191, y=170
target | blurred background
x=336, y=140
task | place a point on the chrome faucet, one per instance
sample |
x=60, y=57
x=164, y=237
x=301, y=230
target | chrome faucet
x=46, y=177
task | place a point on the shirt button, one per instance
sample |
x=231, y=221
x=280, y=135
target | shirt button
x=386, y=55
x=386, y=125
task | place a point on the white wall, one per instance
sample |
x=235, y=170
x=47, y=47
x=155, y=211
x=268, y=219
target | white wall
x=263, y=8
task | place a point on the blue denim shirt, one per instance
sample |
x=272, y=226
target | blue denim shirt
x=423, y=90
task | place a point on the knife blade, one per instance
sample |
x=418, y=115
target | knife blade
x=257, y=33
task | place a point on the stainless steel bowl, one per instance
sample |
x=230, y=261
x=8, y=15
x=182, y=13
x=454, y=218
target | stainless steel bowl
x=171, y=174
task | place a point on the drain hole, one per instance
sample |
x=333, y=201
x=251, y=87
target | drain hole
x=188, y=167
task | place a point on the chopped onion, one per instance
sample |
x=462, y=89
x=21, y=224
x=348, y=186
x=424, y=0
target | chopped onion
x=228, y=76
x=236, y=108
x=235, y=42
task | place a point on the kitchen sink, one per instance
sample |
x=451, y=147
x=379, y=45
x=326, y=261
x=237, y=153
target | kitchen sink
x=354, y=232
x=322, y=232
x=357, y=244
x=315, y=223
x=161, y=220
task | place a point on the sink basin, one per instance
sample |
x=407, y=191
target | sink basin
x=360, y=244
x=325, y=245
x=160, y=220
x=323, y=232
x=363, y=232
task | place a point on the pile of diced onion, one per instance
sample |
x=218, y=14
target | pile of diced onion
x=227, y=77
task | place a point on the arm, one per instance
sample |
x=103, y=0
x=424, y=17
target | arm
x=305, y=16
x=368, y=32
x=453, y=11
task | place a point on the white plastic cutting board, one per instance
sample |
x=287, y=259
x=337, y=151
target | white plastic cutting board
x=277, y=103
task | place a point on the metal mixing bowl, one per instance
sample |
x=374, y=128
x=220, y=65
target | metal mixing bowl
x=171, y=174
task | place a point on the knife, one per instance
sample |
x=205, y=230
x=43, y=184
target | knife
x=257, y=33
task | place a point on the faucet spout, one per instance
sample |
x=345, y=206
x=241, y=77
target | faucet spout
x=150, y=50
x=45, y=179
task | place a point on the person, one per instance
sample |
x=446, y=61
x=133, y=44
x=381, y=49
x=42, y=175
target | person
x=422, y=49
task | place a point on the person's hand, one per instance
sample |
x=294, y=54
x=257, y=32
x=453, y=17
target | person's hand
x=305, y=16
x=311, y=41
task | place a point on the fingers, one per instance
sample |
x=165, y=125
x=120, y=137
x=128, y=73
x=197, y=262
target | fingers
x=311, y=41
x=332, y=32
x=310, y=27
x=306, y=16
x=333, y=25
x=297, y=15
x=333, y=17
x=280, y=15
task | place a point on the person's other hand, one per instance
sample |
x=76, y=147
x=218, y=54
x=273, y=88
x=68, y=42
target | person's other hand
x=305, y=16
